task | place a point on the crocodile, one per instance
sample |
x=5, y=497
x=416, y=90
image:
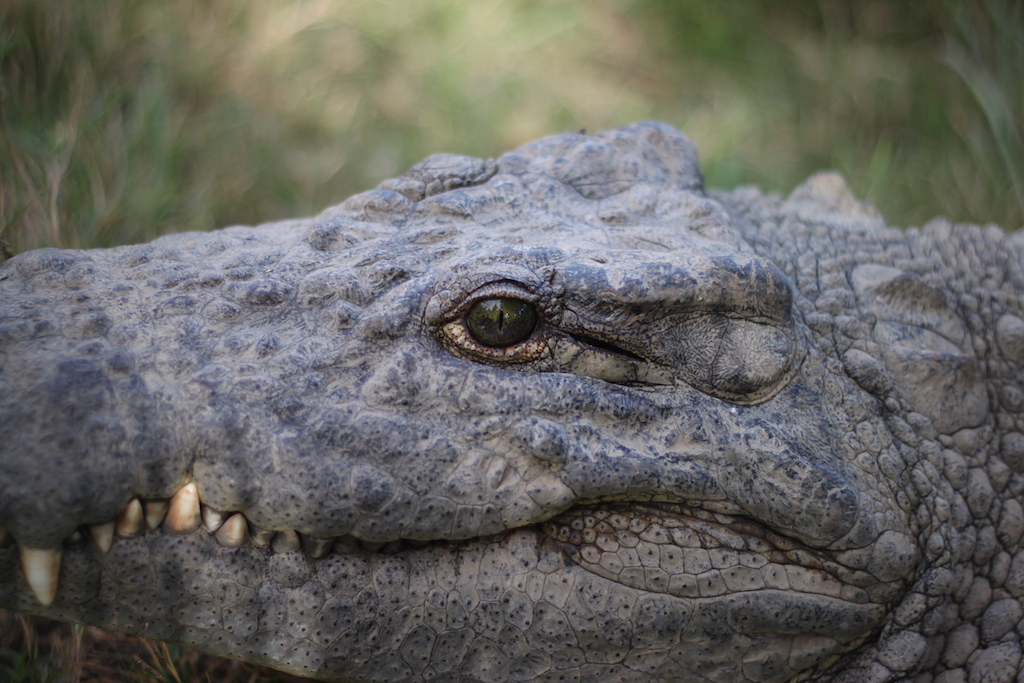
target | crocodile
x=565, y=415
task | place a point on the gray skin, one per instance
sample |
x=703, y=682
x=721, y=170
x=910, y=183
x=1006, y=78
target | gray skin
x=747, y=439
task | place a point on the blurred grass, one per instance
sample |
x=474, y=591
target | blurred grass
x=121, y=120
x=124, y=119
x=45, y=651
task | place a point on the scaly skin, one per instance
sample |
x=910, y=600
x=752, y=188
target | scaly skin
x=746, y=438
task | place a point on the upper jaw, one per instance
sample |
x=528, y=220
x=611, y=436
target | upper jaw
x=434, y=447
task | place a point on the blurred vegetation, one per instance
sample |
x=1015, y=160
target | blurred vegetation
x=124, y=119
x=45, y=651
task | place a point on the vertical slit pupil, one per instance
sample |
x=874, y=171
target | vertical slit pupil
x=501, y=321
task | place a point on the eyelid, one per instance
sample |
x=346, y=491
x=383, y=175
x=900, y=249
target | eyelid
x=453, y=296
x=494, y=290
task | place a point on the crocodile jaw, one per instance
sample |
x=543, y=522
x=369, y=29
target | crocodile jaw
x=343, y=614
x=295, y=374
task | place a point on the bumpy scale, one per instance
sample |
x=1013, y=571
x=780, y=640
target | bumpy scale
x=563, y=416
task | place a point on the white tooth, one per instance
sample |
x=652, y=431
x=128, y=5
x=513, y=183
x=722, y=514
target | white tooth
x=183, y=512
x=102, y=535
x=212, y=518
x=42, y=568
x=285, y=542
x=261, y=537
x=233, y=532
x=129, y=522
x=155, y=512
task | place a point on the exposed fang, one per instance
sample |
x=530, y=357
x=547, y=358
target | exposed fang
x=183, y=512
x=102, y=535
x=129, y=522
x=261, y=537
x=233, y=532
x=212, y=518
x=155, y=512
x=42, y=569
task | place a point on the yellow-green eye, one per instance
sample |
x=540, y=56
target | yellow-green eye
x=502, y=321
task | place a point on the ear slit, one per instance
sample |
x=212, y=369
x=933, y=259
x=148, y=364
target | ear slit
x=606, y=346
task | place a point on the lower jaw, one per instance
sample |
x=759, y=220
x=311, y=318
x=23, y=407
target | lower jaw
x=517, y=598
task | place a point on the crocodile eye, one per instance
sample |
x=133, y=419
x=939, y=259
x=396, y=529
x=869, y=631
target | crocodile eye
x=501, y=321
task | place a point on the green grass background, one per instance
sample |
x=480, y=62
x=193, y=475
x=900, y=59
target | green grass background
x=124, y=119
x=121, y=120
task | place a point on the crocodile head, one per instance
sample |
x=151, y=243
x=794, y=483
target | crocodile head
x=559, y=416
